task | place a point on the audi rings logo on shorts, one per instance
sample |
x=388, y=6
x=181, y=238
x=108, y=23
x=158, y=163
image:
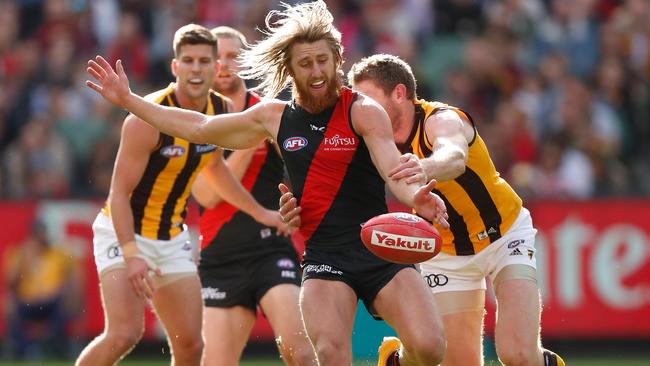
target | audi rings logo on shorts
x=113, y=252
x=436, y=279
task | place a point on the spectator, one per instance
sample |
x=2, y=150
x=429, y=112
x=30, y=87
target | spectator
x=562, y=172
x=43, y=283
x=131, y=47
x=570, y=29
x=38, y=164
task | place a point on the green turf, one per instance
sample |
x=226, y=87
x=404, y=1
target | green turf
x=268, y=362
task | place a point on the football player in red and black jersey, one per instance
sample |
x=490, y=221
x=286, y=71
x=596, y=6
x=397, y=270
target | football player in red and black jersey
x=246, y=260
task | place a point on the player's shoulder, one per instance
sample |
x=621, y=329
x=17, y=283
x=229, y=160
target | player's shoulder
x=368, y=115
x=218, y=98
x=215, y=94
x=136, y=128
x=158, y=95
x=365, y=104
x=439, y=111
x=272, y=105
x=444, y=117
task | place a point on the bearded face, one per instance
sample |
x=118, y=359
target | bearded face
x=316, y=80
x=318, y=102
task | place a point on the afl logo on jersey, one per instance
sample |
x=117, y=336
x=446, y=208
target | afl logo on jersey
x=172, y=151
x=294, y=143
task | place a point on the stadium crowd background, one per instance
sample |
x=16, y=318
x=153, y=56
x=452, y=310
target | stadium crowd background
x=560, y=89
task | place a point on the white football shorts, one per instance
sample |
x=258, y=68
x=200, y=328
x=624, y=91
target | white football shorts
x=171, y=256
x=446, y=272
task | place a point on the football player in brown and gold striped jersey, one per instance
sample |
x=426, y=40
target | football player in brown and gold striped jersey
x=490, y=233
x=141, y=244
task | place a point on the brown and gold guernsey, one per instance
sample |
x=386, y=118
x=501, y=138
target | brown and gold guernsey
x=481, y=205
x=159, y=201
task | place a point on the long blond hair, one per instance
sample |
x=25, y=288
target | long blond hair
x=268, y=59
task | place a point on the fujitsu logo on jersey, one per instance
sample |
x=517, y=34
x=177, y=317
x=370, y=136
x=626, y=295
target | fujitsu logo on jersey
x=294, y=143
x=401, y=242
x=172, y=151
x=337, y=142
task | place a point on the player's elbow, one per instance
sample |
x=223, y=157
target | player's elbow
x=208, y=202
x=204, y=198
x=117, y=196
x=199, y=133
x=457, y=167
x=450, y=168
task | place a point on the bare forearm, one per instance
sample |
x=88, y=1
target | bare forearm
x=444, y=165
x=238, y=162
x=122, y=217
x=204, y=192
x=177, y=122
x=402, y=191
x=226, y=187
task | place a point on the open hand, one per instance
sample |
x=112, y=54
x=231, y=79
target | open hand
x=409, y=167
x=430, y=206
x=273, y=218
x=137, y=271
x=289, y=209
x=112, y=85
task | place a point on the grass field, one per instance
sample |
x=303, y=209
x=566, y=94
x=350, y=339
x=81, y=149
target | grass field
x=268, y=362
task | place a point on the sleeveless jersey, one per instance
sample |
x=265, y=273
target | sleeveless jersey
x=332, y=175
x=159, y=200
x=227, y=232
x=481, y=205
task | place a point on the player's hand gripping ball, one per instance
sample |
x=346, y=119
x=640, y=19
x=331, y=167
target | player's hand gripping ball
x=401, y=237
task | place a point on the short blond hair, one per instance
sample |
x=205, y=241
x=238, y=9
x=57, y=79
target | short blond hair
x=269, y=59
x=386, y=71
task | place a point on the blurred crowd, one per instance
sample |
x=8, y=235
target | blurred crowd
x=560, y=90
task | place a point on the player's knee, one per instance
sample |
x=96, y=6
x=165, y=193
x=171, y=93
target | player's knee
x=298, y=355
x=188, y=345
x=517, y=356
x=428, y=350
x=332, y=351
x=125, y=337
x=296, y=347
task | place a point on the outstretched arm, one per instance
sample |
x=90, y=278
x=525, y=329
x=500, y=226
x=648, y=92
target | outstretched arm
x=449, y=136
x=234, y=130
x=371, y=121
